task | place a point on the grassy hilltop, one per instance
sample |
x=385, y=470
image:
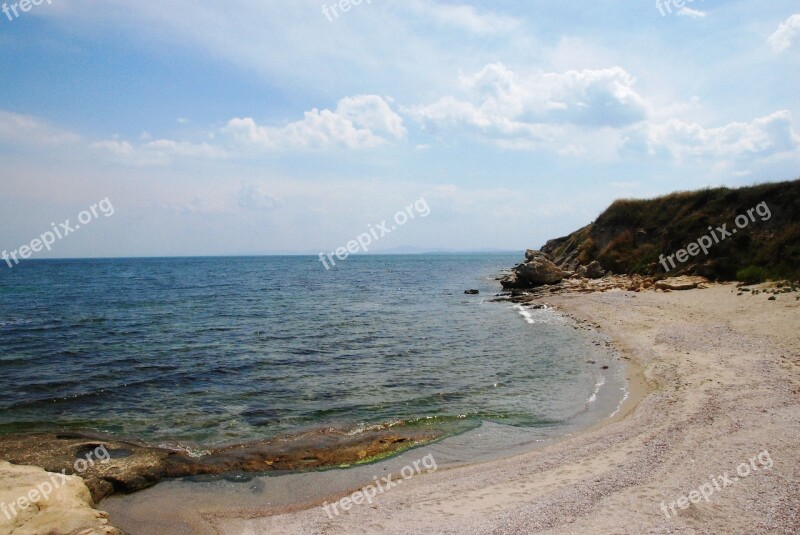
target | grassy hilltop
x=631, y=235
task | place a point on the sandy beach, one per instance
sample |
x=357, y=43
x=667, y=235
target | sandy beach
x=719, y=413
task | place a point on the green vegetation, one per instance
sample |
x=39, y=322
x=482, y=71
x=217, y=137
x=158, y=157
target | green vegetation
x=752, y=275
x=630, y=235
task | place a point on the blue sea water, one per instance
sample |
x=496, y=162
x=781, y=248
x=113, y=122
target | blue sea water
x=212, y=351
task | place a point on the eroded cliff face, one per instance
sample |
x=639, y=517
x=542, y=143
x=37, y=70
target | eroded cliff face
x=751, y=228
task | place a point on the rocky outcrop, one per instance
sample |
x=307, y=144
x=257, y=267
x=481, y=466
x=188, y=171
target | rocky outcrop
x=537, y=270
x=682, y=283
x=628, y=283
x=134, y=466
x=35, y=502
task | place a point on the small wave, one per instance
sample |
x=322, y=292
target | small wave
x=597, y=388
x=525, y=314
x=15, y=322
x=364, y=427
x=622, y=401
x=195, y=453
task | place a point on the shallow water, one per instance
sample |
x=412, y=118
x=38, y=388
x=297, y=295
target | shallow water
x=202, y=352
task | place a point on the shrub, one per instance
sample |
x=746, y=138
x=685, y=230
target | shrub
x=751, y=275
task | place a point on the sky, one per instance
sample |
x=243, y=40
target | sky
x=265, y=127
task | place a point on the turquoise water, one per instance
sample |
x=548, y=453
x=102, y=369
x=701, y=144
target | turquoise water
x=213, y=351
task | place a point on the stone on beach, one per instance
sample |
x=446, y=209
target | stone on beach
x=67, y=509
x=537, y=270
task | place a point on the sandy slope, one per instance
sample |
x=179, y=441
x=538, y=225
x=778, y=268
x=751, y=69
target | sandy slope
x=724, y=385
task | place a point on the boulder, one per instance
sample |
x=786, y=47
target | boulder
x=538, y=270
x=681, y=283
x=595, y=271
x=42, y=502
x=472, y=292
x=592, y=271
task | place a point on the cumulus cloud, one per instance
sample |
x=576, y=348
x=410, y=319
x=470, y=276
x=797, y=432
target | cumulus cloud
x=29, y=130
x=786, y=33
x=761, y=138
x=497, y=101
x=359, y=122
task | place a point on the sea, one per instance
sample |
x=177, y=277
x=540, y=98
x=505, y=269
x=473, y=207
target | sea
x=197, y=353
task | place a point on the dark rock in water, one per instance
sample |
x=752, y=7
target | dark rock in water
x=131, y=466
x=472, y=292
x=537, y=270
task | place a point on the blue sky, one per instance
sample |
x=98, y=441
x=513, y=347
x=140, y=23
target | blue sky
x=247, y=127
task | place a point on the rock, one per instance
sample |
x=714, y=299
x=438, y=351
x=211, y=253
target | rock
x=60, y=505
x=681, y=283
x=595, y=271
x=532, y=254
x=538, y=270
x=472, y=292
x=135, y=466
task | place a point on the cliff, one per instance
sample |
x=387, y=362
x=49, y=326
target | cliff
x=750, y=233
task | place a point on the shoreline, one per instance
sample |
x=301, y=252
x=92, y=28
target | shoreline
x=135, y=465
x=698, y=403
x=471, y=448
x=705, y=408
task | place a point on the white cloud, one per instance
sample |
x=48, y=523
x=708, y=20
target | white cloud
x=785, y=34
x=761, y=138
x=464, y=17
x=117, y=148
x=386, y=47
x=29, y=130
x=253, y=197
x=158, y=152
x=693, y=13
x=359, y=122
x=515, y=109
